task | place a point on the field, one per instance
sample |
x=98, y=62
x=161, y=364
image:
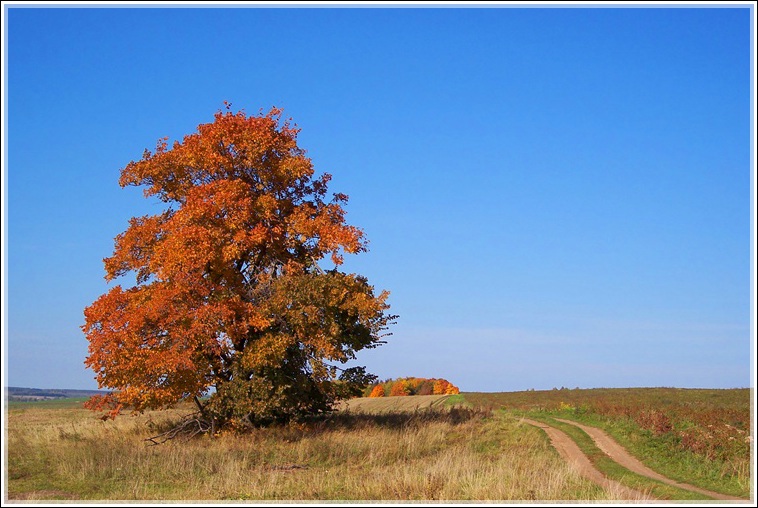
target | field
x=379, y=405
x=449, y=448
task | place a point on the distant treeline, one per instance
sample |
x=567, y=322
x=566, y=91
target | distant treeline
x=16, y=393
x=411, y=386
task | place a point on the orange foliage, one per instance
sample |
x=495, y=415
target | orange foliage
x=412, y=386
x=229, y=293
x=400, y=388
x=444, y=387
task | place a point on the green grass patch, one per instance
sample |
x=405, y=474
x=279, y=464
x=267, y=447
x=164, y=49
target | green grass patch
x=613, y=470
x=457, y=400
x=60, y=403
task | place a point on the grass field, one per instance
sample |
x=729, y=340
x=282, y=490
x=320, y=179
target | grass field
x=444, y=451
x=62, y=403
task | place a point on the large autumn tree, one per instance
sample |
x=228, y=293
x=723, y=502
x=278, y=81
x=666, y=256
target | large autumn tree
x=230, y=307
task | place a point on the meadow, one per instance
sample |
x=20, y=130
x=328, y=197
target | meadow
x=466, y=447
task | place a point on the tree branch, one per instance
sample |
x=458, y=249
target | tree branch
x=200, y=406
x=189, y=427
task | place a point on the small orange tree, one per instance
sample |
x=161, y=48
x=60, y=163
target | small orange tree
x=230, y=300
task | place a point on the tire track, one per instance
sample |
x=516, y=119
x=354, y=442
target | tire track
x=569, y=450
x=619, y=454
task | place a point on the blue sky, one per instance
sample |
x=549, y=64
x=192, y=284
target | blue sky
x=553, y=196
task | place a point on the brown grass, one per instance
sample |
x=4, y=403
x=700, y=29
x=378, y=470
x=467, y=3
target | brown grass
x=457, y=454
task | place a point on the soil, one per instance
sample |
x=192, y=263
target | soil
x=574, y=456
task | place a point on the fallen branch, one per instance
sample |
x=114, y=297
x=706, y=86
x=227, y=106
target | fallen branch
x=189, y=427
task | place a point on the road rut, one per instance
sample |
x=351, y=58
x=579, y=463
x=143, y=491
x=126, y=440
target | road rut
x=574, y=456
x=624, y=458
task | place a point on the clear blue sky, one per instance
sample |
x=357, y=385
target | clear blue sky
x=553, y=196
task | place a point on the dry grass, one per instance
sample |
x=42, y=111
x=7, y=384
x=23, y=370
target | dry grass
x=375, y=405
x=453, y=454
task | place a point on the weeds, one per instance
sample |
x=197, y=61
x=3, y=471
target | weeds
x=450, y=454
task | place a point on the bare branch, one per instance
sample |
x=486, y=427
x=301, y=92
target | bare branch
x=189, y=427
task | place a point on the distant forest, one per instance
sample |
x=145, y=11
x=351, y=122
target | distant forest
x=27, y=394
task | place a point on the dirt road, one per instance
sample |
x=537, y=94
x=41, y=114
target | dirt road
x=622, y=457
x=574, y=456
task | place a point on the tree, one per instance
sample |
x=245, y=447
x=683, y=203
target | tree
x=426, y=387
x=400, y=388
x=441, y=387
x=230, y=301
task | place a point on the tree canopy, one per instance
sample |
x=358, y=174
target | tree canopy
x=230, y=307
